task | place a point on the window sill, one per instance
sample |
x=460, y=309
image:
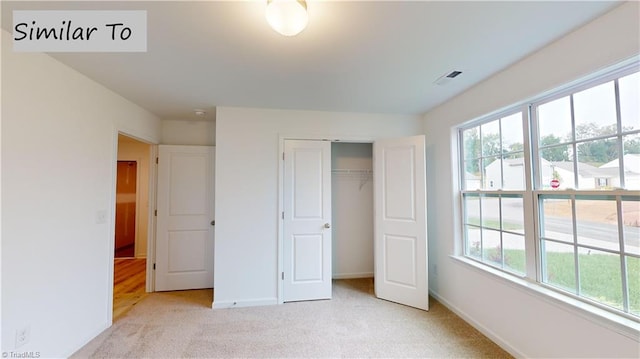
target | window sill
x=604, y=318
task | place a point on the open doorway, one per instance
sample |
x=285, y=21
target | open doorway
x=352, y=217
x=131, y=224
x=352, y=207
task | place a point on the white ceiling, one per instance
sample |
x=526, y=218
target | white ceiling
x=361, y=56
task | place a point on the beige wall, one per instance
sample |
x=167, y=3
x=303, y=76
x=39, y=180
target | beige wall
x=132, y=150
x=197, y=133
x=58, y=179
x=247, y=160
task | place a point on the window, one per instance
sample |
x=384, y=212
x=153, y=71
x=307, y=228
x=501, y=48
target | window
x=494, y=183
x=576, y=155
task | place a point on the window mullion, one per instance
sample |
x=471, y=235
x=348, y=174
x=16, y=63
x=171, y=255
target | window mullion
x=623, y=259
x=574, y=147
x=575, y=245
x=530, y=208
x=616, y=88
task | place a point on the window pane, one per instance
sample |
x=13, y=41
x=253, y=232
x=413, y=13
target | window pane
x=597, y=223
x=555, y=164
x=592, y=155
x=600, y=277
x=490, y=138
x=595, y=111
x=513, y=171
x=471, y=143
x=554, y=119
x=492, y=172
x=558, y=265
x=491, y=247
x=473, y=245
x=514, y=257
x=512, y=214
x=598, y=152
x=631, y=226
x=557, y=219
x=629, y=87
x=490, y=212
x=472, y=209
x=633, y=284
x=472, y=179
x=631, y=145
x=512, y=138
x=473, y=241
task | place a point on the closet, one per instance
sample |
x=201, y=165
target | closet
x=352, y=210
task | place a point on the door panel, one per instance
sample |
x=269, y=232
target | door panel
x=185, y=236
x=400, y=221
x=307, y=208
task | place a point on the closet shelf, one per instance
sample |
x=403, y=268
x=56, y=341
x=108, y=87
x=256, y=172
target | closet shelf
x=352, y=171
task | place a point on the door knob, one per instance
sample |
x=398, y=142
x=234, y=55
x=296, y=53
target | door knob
x=213, y=223
x=327, y=225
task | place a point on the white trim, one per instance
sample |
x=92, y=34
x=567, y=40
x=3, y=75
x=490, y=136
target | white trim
x=610, y=73
x=481, y=328
x=619, y=324
x=112, y=215
x=621, y=68
x=88, y=338
x=111, y=242
x=151, y=227
x=353, y=275
x=258, y=302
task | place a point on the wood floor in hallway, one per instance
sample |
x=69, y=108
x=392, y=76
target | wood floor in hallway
x=129, y=281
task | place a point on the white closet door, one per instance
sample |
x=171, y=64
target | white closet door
x=400, y=221
x=307, y=220
x=184, y=245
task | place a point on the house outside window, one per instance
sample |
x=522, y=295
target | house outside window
x=550, y=191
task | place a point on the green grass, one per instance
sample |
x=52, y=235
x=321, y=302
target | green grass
x=492, y=223
x=600, y=275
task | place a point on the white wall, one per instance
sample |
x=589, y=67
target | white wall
x=247, y=142
x=58, y=167
x=352, y=210
x=527, y=324
x=197, y=133
x=132, y=150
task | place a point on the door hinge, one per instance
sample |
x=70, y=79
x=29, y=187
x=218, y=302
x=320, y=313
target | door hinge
x=283, y=156
x=155, y=213
x=282, y=214
x=157, y=160
x=282, y=276
x=154, y=266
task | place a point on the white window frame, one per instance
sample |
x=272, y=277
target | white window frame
x=533, y=191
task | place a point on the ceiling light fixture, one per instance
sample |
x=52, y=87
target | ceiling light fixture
x=287, y=17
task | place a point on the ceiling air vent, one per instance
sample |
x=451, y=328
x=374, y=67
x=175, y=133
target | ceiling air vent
x=446, y=78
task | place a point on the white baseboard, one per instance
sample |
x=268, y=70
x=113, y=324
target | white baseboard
x=89, y=338
x=244, y=303
x=483, y=329
x=353, y=275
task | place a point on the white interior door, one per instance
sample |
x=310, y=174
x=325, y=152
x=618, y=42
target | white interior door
x=400, y=221
x=307, y=220
x=185, y=232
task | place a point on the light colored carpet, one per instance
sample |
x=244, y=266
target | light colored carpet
x=352, y=324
